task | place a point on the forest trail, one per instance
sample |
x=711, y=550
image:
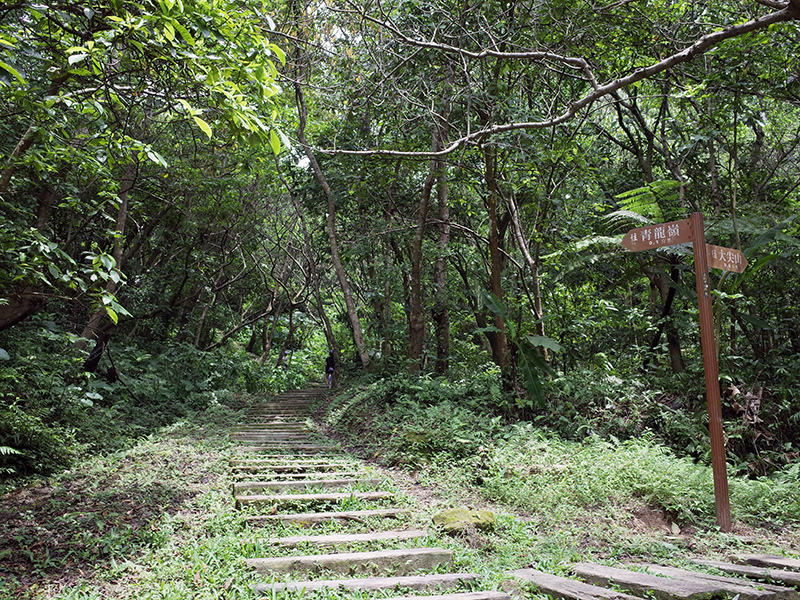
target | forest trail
x=289, y=476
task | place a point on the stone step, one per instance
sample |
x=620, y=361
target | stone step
x=322, y=517
x=344, y=539
x=289, y=428
x=267, y=475
x=308, y=483
x=643, y=584
x=271, y=438
x=280, y=409
x=281, y=461
x=277, y=431
x=400, y=562
x=563, y=587
x=746, y=590
x=281, y=434
x=418, y=582
x=488, y=595
x=790, y=578
x=294, y=448
x=280, y=499
x=308, y=469
x=768, y=560
x=276, y=417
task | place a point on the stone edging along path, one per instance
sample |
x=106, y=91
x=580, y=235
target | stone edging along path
x=288, y=475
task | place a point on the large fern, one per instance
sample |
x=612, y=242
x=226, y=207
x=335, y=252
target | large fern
x=643, y=205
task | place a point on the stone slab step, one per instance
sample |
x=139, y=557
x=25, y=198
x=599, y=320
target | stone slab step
x=271, y=438
x=295, y=448
x=746, y=590
x=344, y=539
x=791, y=578
x=280, y=499
x=266, y=475
x=418, y=582
x=294, y=428
x=302, y=484
x=322, y=517
x=309, y=469
x=282, y=461
x=642, y=584
x=401, y=562
x=304, y=470
x=768, y=560
x=563, y=587
x=462, y=596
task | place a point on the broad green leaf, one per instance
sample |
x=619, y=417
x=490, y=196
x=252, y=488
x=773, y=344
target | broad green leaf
x=541, y=341
x=755, y=321
x=278, y=52
x=184, y=33
x=274, y=142
x=12, y=71
x=494, y=304
x=203, y=125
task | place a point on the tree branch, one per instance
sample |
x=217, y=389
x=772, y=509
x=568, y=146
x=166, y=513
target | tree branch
x=788, y=12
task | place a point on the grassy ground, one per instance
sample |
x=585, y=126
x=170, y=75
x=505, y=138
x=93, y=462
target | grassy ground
x=158, y=521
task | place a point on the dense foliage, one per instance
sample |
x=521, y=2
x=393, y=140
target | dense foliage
x=203, y=195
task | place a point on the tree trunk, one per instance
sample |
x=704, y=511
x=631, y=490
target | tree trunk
x=92, y=328
x=416, y=319
x=330, y=227
x=441, y=313
x=499, y=341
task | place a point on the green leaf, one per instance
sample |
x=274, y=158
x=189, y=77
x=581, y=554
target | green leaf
x=187, y=37
x=12, y=71
x=274, y=142
x=278, y=52
x=203, y=125
x=756, y=321
x=494, y=304
x=542, y=341
x=4, y=355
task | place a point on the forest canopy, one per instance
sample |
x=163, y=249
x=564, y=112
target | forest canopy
x=202, y=195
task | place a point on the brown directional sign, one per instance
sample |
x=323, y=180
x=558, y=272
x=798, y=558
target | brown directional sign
x=726, y=259
x=656, y=236
x=705, y=256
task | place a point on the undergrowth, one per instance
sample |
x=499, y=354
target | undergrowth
x=457, y=428
x=53, y=412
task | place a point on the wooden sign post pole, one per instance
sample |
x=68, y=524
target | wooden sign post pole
x=712, y=374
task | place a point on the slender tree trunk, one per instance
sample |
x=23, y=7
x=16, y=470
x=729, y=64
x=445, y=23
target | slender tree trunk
x=386, y=346
x=531, y=261
x=499, y=341
x=268, y=334
x=416, y=320
x=198, y=334
x=92, y=328
x=441, y=313
x=330, y=227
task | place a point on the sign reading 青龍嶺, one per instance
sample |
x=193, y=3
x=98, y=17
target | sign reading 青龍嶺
x=705, y=256
x=659, y=235
x=726, y=259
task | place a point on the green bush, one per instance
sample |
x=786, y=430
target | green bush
x=410, y=419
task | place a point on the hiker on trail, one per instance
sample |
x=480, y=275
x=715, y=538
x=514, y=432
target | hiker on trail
x=330, y=367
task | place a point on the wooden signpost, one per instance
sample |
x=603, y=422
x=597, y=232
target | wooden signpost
x=705, y=256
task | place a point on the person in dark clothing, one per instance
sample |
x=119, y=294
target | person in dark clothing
x=330, y=367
